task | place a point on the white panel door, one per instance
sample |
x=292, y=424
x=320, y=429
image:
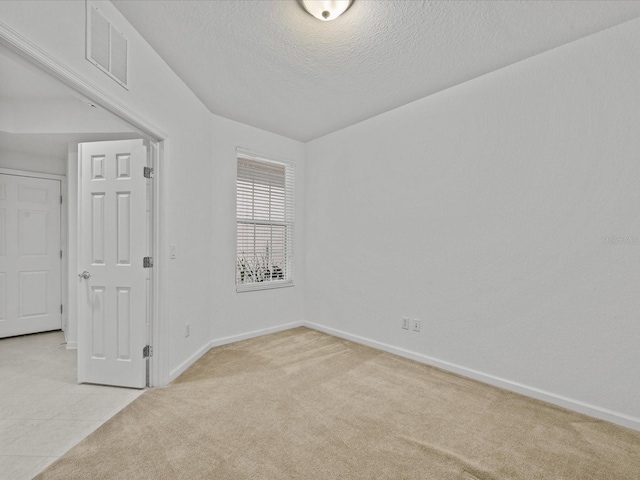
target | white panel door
x=112, y=310
x=29, y=255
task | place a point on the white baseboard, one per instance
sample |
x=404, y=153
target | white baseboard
x=72, y=345
x=179, y=370
x=175, y=373
x=255, y=333
x=560, y=400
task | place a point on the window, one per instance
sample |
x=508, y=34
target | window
x=264, y=211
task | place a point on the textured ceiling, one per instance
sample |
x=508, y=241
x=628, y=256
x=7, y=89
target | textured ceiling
x=269, y=64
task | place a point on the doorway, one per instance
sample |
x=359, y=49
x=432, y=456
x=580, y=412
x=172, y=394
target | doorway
x=78, y=126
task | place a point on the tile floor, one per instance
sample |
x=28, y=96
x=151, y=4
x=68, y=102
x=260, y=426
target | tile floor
x=43, y=410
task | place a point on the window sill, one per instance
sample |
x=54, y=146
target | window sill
x=251, y=287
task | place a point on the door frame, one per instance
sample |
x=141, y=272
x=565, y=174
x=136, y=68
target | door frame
x=159, y=327
x=63, y=233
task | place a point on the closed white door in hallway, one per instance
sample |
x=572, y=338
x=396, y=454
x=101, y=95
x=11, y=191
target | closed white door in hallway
x=30, y=261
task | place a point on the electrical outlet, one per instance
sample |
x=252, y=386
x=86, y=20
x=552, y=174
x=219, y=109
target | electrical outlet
x=187, y=329
x=415, y=325
x=405, y=323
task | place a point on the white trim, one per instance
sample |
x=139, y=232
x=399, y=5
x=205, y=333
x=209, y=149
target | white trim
x=176, y=372
x=34, y=54
x=25, y=173
x=159, y=364
x=249, y=154
x=250, y=175
x=560, y=400
x=64, y=246
x=256, y=286
x=528, y=391
x=71, y=210
x=180, y=369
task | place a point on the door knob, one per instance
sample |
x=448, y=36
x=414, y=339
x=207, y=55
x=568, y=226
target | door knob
x=84, y=275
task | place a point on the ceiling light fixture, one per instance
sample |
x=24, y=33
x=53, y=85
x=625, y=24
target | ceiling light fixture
x=326, y=10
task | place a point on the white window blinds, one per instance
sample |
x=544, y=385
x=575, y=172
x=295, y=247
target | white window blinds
x=265, y=222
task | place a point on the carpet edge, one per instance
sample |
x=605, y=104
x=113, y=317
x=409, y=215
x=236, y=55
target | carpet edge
x=594, y=411
x=216, y=342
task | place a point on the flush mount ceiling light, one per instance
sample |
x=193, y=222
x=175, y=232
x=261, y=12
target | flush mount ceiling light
x=326, y=10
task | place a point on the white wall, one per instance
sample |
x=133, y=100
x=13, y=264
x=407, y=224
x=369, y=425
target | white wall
x=481, y=211
x=236, y=316
x=159, y=96
x=32, y=163
x=197, y=182
x=67, y=115
x=238, y=313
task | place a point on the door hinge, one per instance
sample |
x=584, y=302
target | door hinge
x=148, y=172
x=60, y=253
x=60, y=309
x=147, y=262
x=60, y=199
x=147, y=351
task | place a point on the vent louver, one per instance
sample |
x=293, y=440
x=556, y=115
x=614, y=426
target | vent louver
x=107, y=47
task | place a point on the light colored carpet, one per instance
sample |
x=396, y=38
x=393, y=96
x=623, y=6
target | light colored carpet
x=304, y=405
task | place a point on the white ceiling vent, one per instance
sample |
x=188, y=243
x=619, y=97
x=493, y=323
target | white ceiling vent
x=107, y=47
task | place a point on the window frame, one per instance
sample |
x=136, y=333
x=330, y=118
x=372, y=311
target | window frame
x=288, y=223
